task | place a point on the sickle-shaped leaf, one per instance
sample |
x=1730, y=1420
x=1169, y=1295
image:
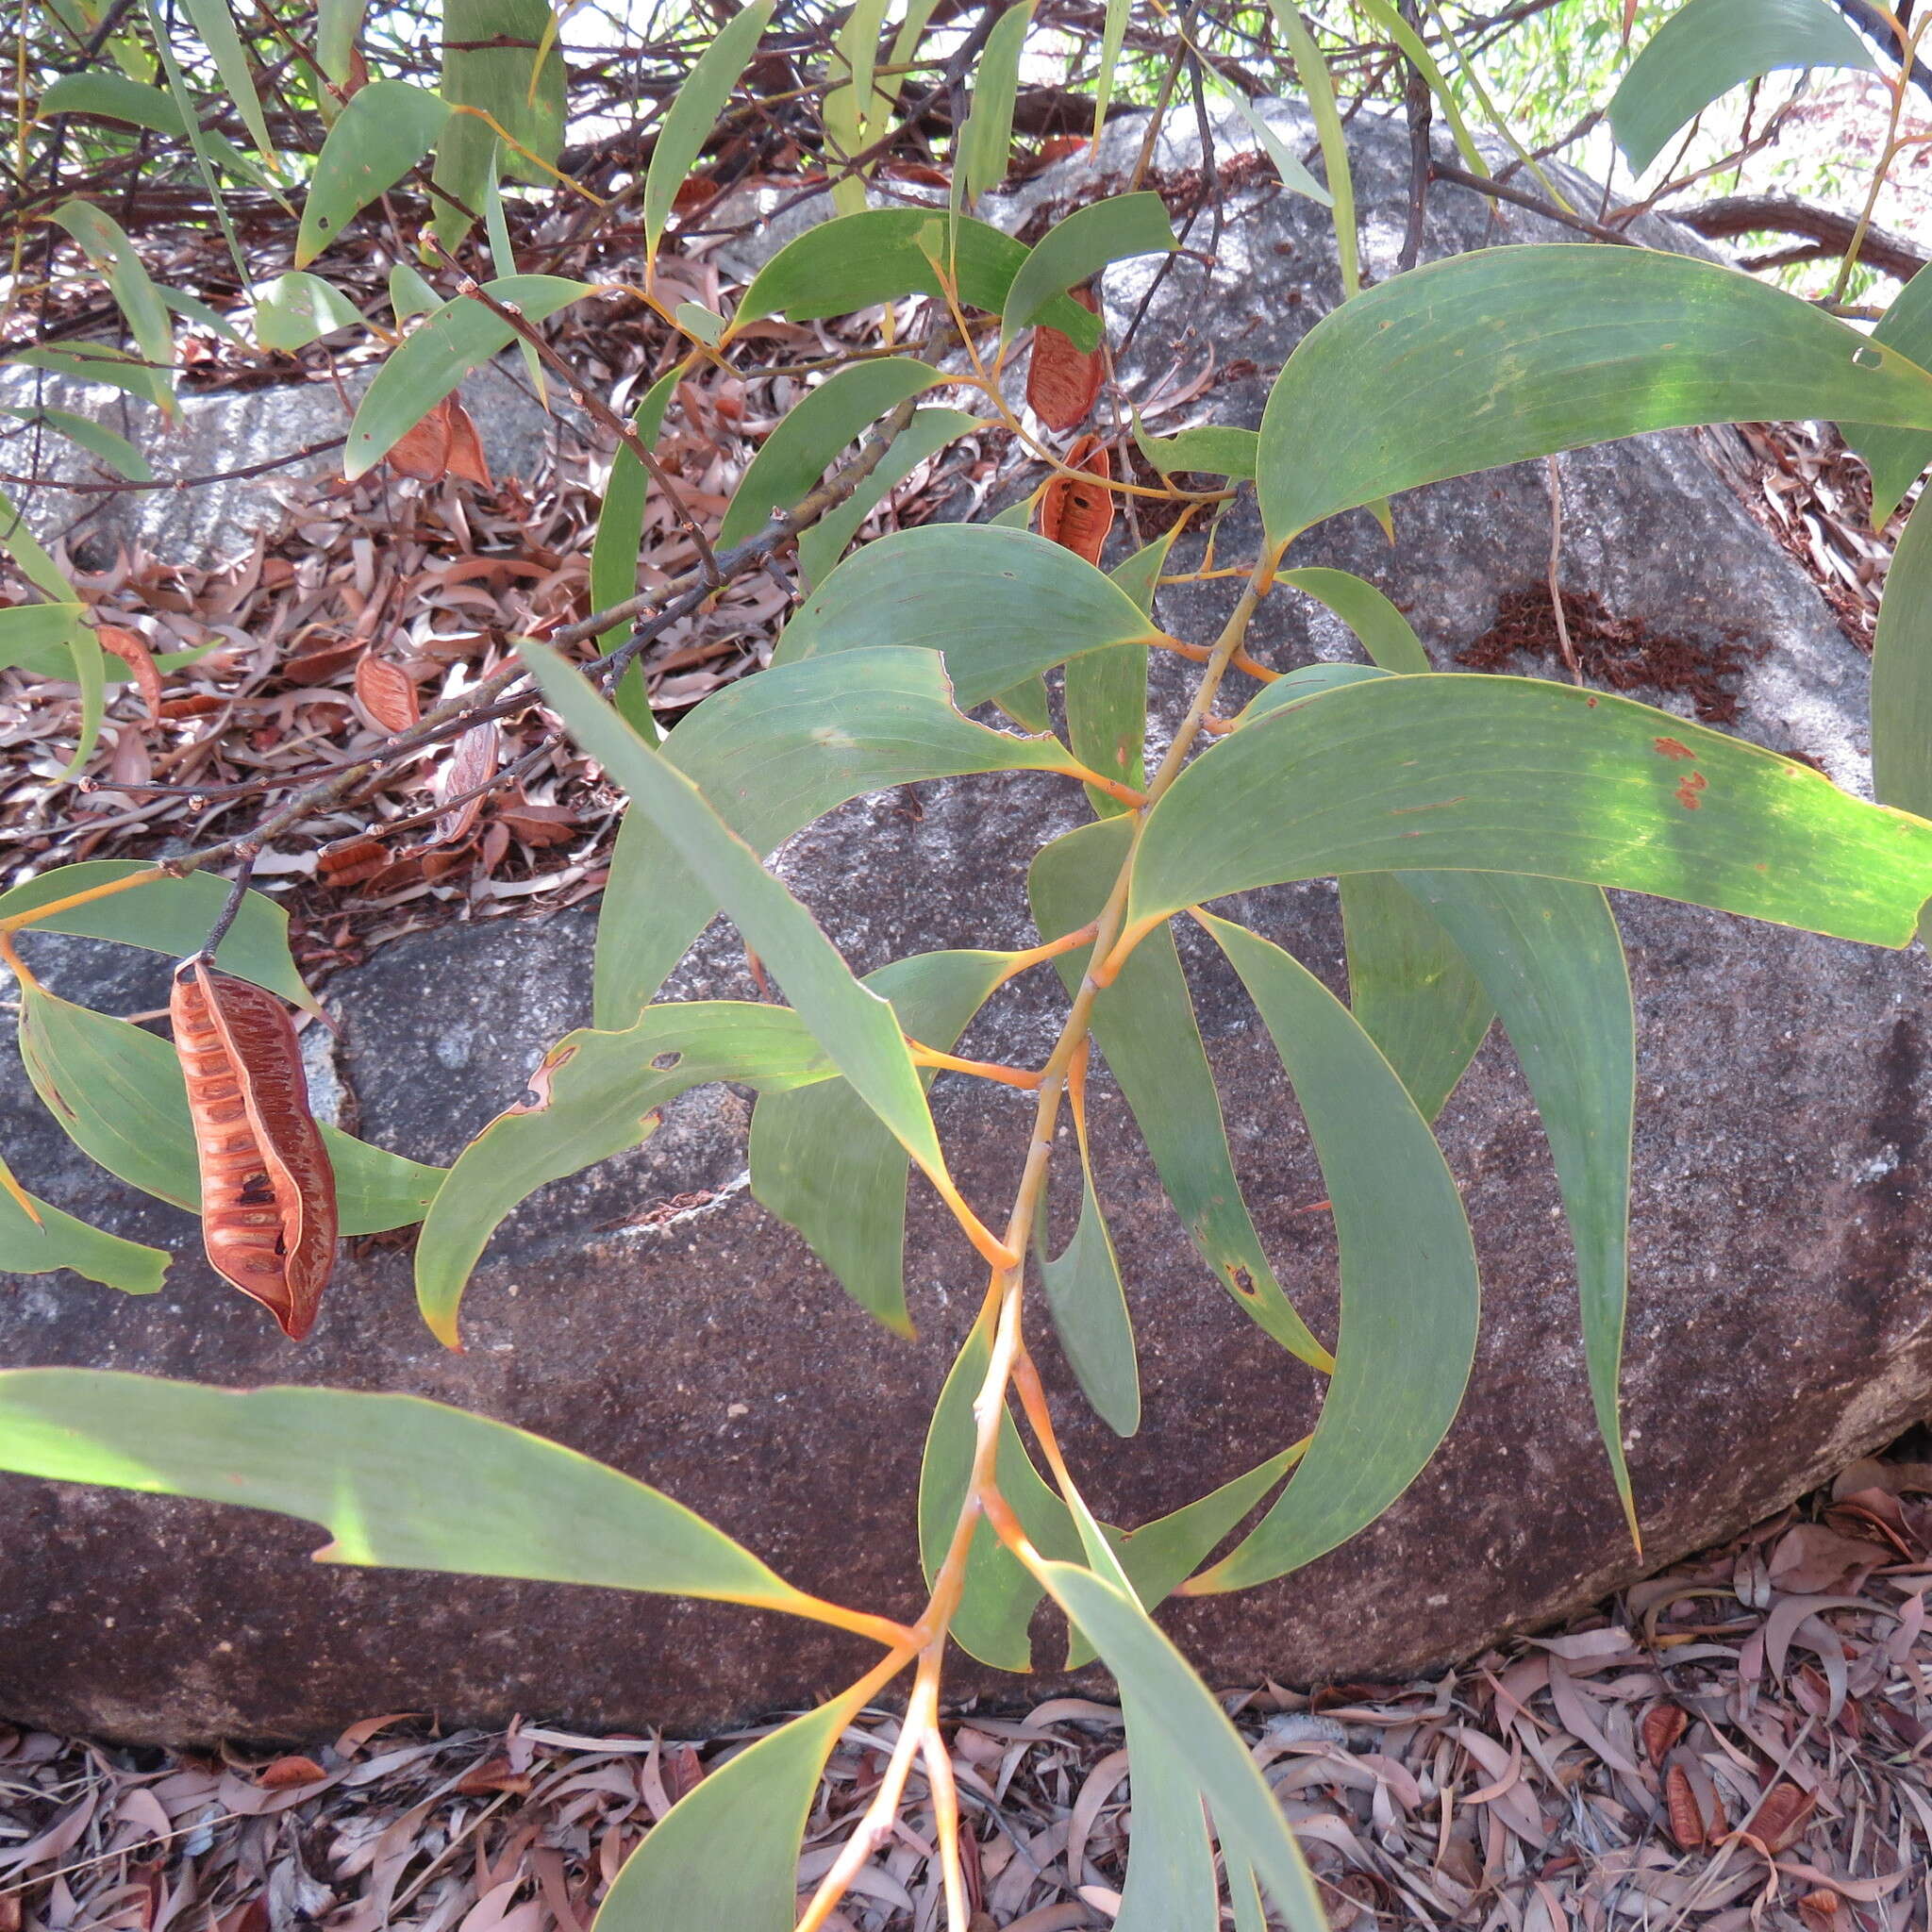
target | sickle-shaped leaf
x=167, y=915
x=1550, y=959
x=1184, y=1722
x=1409, y=1297
x=1170, y=1882
x=773, y=754
x=500, y=58
x=99, y=362
x=216, y=27
x=108, y=95
x=860, y=260
x=39, y=1247
x=399, y=1483
x=295, y=309
x=385, y=130
x=1105, y=691
x=792, y=460
x=595, y=1095
x=824, y=1162
x=1002, y=605
x=1453, y=772
x=1145, y=1025
x=820, y=546
x=1386, y=635
x=1897, y=458
x=701, y=97
x=462, y=335
x=1707, y=47
x=851, y=106
x=620, y=521
x=1115, y=229
x=1503, y=354
x=1902, y=672
x=857, y=1028
x=757, y=1803
x=108, y=248
x=109, y=445
x=116, y=1091
x=268, y=1193
x=986, y=141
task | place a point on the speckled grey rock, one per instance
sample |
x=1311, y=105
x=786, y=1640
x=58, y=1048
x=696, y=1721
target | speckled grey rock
x=651, y=1314
x=214, y=433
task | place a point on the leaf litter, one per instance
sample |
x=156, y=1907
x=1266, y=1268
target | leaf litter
x=1738, y=1743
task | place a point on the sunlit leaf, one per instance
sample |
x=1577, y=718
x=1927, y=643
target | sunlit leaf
x=1319, y=87
x=385, y=130
x=792, y=460
x=109, y=249
x=1001, y=604
x=1145, y=1025
x=398, y=1482
x=700, y=98
x=773, y=754
x=1451, y=773
x=295, y=309
x=851, y=106
x=216, y=26
x=491, y=51
x=595, y=1095
x=1706, y=48
x=1503, y=354
x=462, y=335
x=1115, y=229
x=1902, y=672
x=59, y=1241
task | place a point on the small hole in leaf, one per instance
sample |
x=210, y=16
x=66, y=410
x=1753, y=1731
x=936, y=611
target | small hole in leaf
x=1867, y=357
x=1243, y=1281
x=664, y=1062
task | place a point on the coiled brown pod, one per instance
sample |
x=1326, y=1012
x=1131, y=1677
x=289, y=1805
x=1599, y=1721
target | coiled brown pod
x=1064, y=382
x=1078, y=515
x=268, y=1193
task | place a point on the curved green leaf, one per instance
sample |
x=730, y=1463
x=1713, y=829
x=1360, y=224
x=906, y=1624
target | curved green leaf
x=595, y=1095
x=1122, y=227
x=385, y=130
x=1707, y=47
x=1503, y=354
x=1001, y=604
x=857, y=1028
x=999, y=1598
x=398, y=1482
x=33, y=634
x=1145, y=1025
x=105, y=94
x=1214, y=449
x=98, y=362
x=216, y=27
x=1409, y=1296
x=1451, y=773
x=1549, y=956
x=95, y=438
x=773, y=754
x=1902, y=672
x=620, y=521
x=1169, y=1883
x=859, y=259
x=726, y=1854
x=108, y=248
x=701, y=97
x=1897, y=458
x=854, y=102
x=986, y=141
x=1105, y=691
x=60, y=1241
x=1318, y=85
x=1090, y=1312
x=1386, y=635
x=813, y=431
x=491, y=51
x=824, y=1162
x=1415, y=995
x=462, y=335
x=116, y=1091
x=1181, y=1719
x=820, y=546
x=1287, y=163
x=167, y=915
x=295, y=309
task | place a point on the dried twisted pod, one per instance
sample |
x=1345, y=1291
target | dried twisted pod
x=1078, y=515
x=1064, y=382
x=268, y=1193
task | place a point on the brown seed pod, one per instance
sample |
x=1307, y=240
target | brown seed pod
x=471, y=763
x=1663, y=1724
x=1782, y=1818
x=1078, y=515
x=1686, y=1817
x=1064, y=382
x=387, y=692
x=268, y=1193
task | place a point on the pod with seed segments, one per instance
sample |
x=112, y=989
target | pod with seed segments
x=268, y=1193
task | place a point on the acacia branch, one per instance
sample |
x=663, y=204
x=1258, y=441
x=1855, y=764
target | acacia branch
x=1785, y=214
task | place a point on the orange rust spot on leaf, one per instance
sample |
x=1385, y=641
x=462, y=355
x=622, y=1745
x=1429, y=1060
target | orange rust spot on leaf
x=1693, y=783
x=1672, y=748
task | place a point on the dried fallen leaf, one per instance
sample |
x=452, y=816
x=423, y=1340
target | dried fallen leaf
x=1780, y=1821
x=1064, y=382
x=493, y=1775
x=1663, y=1724
x=423, y=452
x=1819, y=1909
x=286, y=1773
x=466, y=457
x=131, y=648
x=268, y=1197
x=1686, y=1815
x=351, y=860
x=387, y=692
x=1077, y=515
